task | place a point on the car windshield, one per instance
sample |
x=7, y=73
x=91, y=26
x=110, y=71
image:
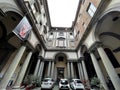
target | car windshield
x=46, y=80
x=78, y=81
x=64, y=82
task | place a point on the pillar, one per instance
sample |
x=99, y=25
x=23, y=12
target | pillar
x=41, y=73
x=85, y=72
x=40, y=66
x=68, y=70
x=52, y=69
x=79, y=70
x=37, y=68
x=109, y=68
x=72, y=70
x=49, y=69
x=23, y=70
x=12, y=67
x=98, y=71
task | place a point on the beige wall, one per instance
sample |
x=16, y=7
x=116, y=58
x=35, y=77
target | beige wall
x=70, y=55
x=33, y=39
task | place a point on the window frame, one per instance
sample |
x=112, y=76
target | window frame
x=91, y=9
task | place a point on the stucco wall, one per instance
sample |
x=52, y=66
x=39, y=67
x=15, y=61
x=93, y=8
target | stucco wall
x=89, y=40
x=112, y=4
x=33, y=39
x=70, y=55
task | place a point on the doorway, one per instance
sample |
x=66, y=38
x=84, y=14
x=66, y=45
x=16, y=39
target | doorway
x=60, y=72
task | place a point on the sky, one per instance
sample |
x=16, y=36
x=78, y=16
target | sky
x=62, y=12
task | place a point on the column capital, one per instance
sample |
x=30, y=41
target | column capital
x=80, y=59
x=94, y=46
x=40, y=57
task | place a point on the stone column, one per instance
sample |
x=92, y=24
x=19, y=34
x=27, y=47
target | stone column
x=109, y=68
x=40, y=66
x=79, y=70
x=72, y=70
x=12, y=67
x=98, y=71
x=37, y=68
x=85, y=72
x=55, y=74
x=41, y=73
x=52, y=70
x=68, y=70
x=49, y=69
x=23, y=70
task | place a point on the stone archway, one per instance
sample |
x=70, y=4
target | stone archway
x=8, y=41
x=61, y=66
x=108, y=32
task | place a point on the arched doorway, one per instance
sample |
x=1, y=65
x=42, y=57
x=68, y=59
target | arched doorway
x=61, y=66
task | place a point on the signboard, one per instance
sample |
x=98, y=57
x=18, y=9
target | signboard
x=23, y=29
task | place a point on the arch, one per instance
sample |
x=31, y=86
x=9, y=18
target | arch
x=6, y=7
x=60, y=54
x=11, y=16
x=10, y=10
x=107, y=29
x=112, y=10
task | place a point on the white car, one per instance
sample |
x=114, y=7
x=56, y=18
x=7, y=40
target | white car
x=76, y=84
x=64, y=84
x=47, y=83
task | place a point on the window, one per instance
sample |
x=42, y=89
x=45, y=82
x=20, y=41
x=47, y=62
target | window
x=51, y=33
x=36, y=6
x=60, y=43
x=40, y=23
x=84, y=25
x=60, y=58
x=61, y=34
x=71, y=33
x=44, y=14
x=33, y=8
x=83, y=1
x=41, y=2
x=91, y=9
x=45, y=30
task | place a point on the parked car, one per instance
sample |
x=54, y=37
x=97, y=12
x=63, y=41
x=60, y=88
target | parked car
x=76, y=84
x=47, y=83
x=64, y=84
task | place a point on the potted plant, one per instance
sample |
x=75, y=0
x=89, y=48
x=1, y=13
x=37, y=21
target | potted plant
x=95, y=83
x=31, y=82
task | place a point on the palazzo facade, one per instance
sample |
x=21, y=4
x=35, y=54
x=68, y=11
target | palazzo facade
x=29, y=45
